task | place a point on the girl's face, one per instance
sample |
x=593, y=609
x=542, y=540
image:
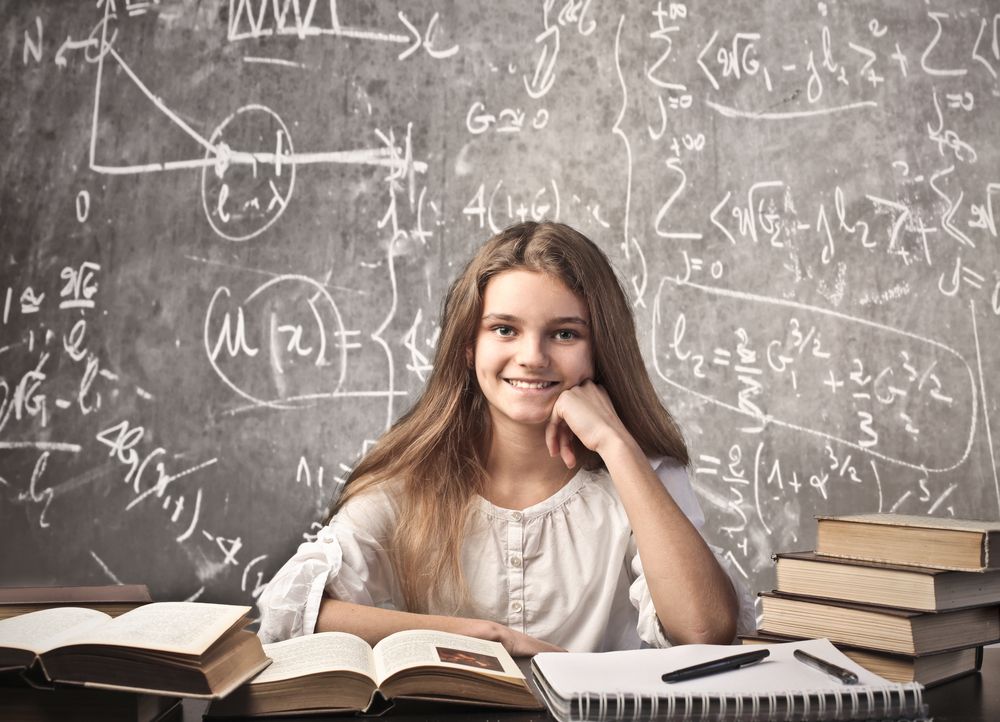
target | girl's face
x=534, y=342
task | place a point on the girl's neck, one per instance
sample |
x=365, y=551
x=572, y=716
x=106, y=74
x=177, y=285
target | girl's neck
x=520, y=471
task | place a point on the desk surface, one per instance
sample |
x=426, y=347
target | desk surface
x=975, y=698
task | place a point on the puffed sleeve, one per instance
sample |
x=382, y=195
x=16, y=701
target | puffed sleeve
x=348, y=561
x=675, y=479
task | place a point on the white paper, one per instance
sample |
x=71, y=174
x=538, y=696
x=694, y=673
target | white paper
x=639, y=671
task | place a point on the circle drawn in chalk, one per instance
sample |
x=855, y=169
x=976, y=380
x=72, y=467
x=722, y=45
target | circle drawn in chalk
x=251, y=181
x=229, y=339
x=98, y=38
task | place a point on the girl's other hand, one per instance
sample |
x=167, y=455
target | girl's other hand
x=522, y=645
x=585, y=412
x=517, y=643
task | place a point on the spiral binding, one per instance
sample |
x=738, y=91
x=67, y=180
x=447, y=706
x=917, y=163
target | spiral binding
x=851, y=703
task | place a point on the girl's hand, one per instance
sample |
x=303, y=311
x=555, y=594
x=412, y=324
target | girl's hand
x=518, y=643
x=586, y=412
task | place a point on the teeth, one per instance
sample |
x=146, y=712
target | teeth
x=529, y=384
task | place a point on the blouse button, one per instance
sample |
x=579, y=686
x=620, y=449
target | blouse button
x=516, y=516
x=515, y=561
x=516, y=606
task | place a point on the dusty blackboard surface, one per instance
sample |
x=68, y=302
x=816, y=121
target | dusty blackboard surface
x=226, y=229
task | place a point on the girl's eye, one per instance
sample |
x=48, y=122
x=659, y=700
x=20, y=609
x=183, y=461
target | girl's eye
x=565, y=334
x=503, y=331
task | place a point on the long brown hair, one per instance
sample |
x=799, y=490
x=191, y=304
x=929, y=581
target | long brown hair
x=436, y=451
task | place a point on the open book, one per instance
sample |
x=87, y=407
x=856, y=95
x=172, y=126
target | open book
x=335, y=671
x=628, y=685
x=177, y=649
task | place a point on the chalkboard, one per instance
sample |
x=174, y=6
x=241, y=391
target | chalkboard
x=227, y=228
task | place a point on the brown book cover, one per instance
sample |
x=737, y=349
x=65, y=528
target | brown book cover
x=884, y=629
x=76, y=596
x=880, y=583
x=112, y=599
x=956, y=544
x=928, y=669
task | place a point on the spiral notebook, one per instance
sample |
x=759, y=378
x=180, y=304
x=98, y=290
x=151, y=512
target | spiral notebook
x=627, y=685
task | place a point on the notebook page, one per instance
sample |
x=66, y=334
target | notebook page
x=638, y=671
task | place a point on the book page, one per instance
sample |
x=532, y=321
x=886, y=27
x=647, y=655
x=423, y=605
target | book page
x=420, y=647
x=179, y=627
x=918, y=520
x=314, y=653
x=639, y=671
x=45, y=629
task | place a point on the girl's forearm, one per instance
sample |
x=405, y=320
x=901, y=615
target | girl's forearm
x=374, y=623
x=694, y=599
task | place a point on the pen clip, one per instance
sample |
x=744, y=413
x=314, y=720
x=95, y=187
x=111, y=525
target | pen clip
x=845, y=676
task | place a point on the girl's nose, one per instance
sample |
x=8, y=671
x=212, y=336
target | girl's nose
x=531, y=353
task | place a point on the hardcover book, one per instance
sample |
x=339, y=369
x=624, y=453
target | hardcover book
x=112, y=599
x=182, y=649
x=924, y=541
x=906, y=587
x=880, y=628
x=928, y=669
x=339, y=672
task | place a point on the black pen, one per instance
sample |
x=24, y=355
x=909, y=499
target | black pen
x=844, y=675
x=715, y=666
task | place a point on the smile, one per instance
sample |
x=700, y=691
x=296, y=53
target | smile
x=519, y=384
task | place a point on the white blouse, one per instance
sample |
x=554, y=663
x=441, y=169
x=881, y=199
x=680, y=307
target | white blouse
x=565, y=570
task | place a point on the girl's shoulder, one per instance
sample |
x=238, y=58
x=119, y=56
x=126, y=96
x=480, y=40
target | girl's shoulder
x=371, y=508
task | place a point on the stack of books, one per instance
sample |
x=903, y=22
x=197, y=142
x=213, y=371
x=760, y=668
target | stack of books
x=911, y=598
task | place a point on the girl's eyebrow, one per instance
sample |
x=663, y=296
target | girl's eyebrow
x=575, y=320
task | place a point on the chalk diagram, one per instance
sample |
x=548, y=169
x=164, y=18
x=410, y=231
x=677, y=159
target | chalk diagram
x=284, y=345
x=249, y=164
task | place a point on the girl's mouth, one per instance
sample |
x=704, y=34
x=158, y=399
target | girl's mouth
x=535, y=385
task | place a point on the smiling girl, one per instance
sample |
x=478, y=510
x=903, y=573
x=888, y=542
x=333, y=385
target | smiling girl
x=536, y=494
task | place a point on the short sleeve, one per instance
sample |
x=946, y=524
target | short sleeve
x=675, y=478
x=348, y=561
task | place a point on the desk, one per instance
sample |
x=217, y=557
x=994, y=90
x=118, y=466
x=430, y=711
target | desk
x=975, y=698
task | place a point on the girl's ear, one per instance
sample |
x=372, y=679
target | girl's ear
x=468, y=356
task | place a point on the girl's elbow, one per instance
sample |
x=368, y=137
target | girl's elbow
x=717, y=629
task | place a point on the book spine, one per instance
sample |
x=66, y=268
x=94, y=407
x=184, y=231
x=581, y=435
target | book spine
x=853, y=703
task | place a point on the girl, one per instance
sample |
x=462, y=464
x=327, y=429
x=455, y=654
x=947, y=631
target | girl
x=536, y=494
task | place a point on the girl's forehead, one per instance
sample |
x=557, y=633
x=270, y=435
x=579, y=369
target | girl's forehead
x=520, y=291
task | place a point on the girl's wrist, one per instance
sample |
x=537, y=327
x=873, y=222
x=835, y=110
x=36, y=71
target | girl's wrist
x=617, y=446
x=481, y=629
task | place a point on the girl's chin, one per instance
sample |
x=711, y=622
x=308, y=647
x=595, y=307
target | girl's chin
x=533, y=418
